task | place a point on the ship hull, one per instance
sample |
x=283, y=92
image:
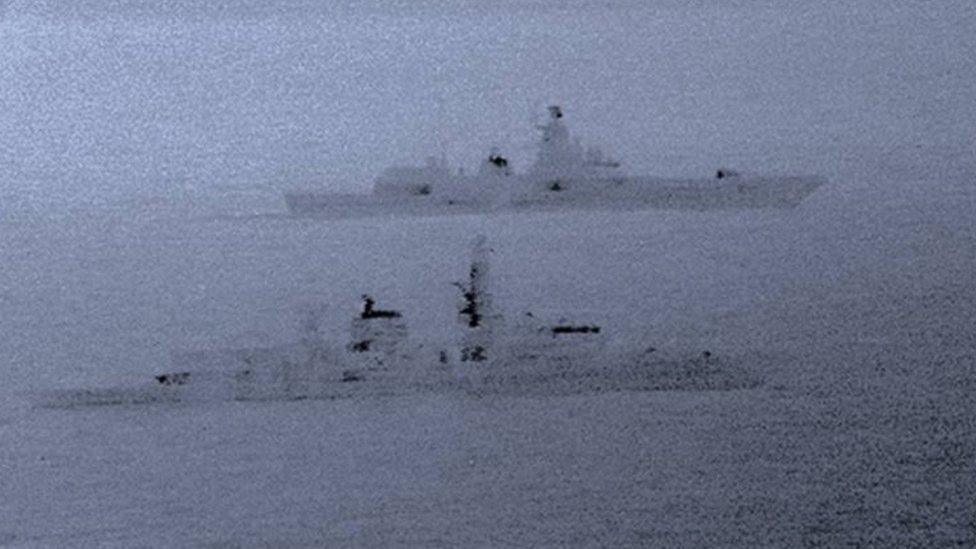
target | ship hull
x=623, y=194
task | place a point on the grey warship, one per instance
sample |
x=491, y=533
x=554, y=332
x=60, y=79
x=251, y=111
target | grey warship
x=564, y=176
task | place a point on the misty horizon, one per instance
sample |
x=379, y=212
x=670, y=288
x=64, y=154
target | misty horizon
x=130, y=99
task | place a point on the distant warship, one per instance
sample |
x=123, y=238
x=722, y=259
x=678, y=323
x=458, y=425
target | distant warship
x=565, y=175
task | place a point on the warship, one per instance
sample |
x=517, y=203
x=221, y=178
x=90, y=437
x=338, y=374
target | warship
x=564, y=176
x=493, y=354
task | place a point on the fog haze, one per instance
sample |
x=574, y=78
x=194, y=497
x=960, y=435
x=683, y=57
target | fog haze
x=144, y=148
x=111, y=100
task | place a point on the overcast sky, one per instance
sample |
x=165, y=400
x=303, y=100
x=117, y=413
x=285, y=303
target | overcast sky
x=114, y=98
